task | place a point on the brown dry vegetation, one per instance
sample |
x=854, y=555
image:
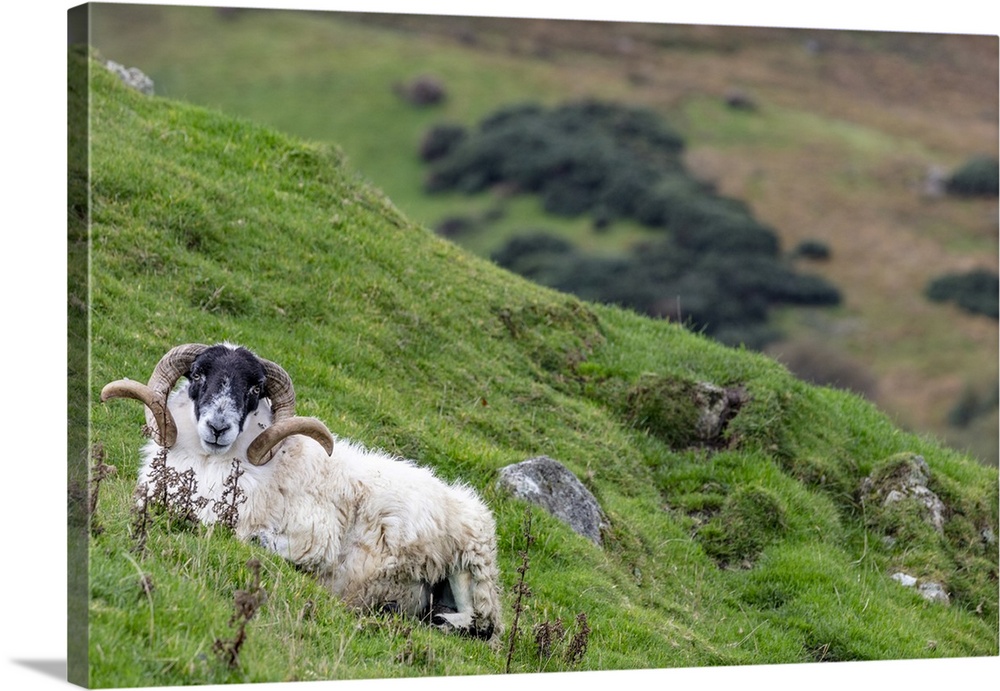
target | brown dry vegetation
x=868, y=115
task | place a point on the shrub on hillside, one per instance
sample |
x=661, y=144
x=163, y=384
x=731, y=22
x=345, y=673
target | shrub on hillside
x=530, y=244
x=974, y=291
x=595, y=158
x=814, y=250
x=717, y=268
x=579, y=157
x=725, y=296
x=440, y=140
x=978, y=177
x=712, y=228
x=455, y=226
x=822, y=364
x=423, y=90
x=973, y=403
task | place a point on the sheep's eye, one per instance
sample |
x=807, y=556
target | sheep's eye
x=196, y=376
x=255, y=390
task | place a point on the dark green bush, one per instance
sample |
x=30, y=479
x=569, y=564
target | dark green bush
x=601, y=279
x=598, y=158
x=725, y=296
x=974, y=291
x=788, y=288
x=717, y=269
x=441, y=140
x=579, y=157
x=820, y=363
x=529, y=244
x=971, y=404
x=812, y=249
x=543, y=258
x=978, y=177
x=708, y=228
x=455, y=226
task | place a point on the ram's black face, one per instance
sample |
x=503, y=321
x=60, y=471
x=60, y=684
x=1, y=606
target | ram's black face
x=226, y=384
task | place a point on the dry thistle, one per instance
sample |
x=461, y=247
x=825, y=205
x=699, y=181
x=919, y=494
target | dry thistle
x=160, y=476
x=168, y=492
x=548, y=636
x=577, y=647
x=521, y=590
x=185, y=500
x=227, y=508
x=173, y=492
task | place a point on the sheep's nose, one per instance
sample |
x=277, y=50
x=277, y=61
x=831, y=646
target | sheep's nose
x=217, y=431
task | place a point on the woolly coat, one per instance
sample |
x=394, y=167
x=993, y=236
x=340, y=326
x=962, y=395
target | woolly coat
x=379, y=531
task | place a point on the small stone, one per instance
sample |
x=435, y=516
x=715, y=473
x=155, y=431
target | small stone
x=132, y=76
x=930, y=590
x=904, y=579
x=934, y=592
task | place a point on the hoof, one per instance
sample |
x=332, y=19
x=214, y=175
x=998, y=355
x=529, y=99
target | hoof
x=452, y=621
x=461, y=623
x=484, y=633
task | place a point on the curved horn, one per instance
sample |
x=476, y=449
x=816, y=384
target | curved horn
x=171, y=367
x=263, y=448
x=127, y=388
x=280, y=391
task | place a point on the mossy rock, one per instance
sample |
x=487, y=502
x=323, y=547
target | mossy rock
x=681, y=412
x=898, y=501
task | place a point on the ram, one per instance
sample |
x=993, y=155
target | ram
x=382, y=533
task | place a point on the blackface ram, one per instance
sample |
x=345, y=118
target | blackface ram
x=381, y=532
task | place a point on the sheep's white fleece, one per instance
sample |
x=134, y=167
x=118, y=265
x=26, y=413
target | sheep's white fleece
x=374, y=528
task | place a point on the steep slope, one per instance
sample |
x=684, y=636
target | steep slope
x=757, y=545
x=846, y=128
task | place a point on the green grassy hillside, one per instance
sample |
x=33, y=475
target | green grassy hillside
x=846, y=126
x=758, y=548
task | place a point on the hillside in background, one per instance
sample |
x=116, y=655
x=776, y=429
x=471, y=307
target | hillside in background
x=769, y=539
x=834, y=139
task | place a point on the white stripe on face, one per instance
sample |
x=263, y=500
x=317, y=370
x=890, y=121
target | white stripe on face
x=219, y=422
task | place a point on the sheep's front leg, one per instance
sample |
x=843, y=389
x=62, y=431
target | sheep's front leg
x=460, y=583
x=468, y=603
